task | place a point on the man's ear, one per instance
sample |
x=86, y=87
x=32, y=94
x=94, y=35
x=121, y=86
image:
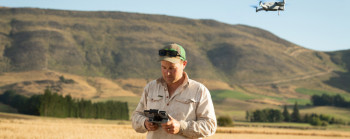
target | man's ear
x=184, y=63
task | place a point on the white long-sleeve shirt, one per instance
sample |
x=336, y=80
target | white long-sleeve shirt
x=191, y=105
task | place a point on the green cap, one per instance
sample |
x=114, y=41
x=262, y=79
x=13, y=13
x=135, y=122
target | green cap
x=174, y=47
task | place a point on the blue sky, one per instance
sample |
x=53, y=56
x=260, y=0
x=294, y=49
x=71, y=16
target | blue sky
x=322, y=25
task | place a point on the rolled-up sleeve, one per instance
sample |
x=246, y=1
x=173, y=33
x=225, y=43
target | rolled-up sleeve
x=138, y=118
x=206, y=124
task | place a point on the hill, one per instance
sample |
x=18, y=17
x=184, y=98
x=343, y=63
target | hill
x=113, y=54
x=124, y=45
x=342, y=79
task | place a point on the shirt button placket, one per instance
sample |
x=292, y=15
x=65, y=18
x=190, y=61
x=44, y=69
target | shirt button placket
x=167, y=96
x=167, y=100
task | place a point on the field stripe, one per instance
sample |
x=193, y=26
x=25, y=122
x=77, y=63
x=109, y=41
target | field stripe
x=271, y=131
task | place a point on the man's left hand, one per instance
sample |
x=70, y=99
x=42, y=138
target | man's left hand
x=172, y=126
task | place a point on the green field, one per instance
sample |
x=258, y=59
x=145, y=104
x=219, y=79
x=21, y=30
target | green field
x=320, y=92
x=300, y=101
x=219, y=95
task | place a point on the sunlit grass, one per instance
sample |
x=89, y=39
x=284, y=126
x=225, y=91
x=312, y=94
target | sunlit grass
x=320, y=92
x=300, y=101
x=222, y=94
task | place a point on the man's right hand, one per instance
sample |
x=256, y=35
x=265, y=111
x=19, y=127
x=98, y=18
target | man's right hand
x=150, y=126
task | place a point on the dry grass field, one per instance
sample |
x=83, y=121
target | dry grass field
x=15, y=126
x=28, y=127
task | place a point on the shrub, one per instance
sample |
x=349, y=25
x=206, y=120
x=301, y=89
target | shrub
x=315, y=121
x=324, y=123
x=66, y=81
x=224, y=121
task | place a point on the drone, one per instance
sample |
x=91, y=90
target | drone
x=270, y=6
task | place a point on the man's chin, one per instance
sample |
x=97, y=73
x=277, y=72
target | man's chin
x=169, y=80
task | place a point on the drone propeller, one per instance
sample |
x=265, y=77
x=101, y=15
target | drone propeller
x=254, y=6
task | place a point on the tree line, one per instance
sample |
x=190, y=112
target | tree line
x=321, y=119
x=55, y=105
x=327, y=100
x=275, y=115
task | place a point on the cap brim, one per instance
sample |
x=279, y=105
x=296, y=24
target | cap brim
x=170, y=59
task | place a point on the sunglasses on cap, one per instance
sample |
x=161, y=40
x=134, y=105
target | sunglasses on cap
x=169, y=53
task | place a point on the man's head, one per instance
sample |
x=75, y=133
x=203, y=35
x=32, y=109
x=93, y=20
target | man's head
x=173, y=62
x=173, y=53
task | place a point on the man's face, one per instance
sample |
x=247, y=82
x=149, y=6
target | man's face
x=172, y=72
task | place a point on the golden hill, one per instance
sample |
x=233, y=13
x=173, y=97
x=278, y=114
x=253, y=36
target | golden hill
x=110, y=54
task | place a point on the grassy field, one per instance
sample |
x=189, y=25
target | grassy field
x=341, y=113
x=320, y=92
x=220, y=95
x=235, y=104
x=27, y=127
x=232, y=102
x=35, y=82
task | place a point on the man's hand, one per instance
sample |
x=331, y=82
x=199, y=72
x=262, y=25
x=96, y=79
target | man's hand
x=172, y=126
x=150, y=126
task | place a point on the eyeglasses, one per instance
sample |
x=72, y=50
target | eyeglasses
x=169, y=53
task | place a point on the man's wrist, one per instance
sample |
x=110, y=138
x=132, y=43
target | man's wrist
x=144, y=124
x=183, y=126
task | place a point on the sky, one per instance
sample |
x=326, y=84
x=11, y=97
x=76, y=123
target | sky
x=321, y=25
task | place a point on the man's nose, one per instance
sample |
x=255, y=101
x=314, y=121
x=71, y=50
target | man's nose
x=168, y=72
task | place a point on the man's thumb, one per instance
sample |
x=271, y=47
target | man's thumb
x=170, y=118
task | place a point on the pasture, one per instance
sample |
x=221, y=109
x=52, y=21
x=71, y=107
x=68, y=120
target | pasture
x=27, y=127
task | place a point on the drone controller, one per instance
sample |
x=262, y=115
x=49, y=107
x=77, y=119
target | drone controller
x=156, y=116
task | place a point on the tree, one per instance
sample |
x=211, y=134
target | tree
x=7, y=97
x=258, y=116
x=274, y=115
x=315, y=121
x=33, y=105
x=46, y=102
x=247, y=116
x=296, y=115
x=316, y=100
x=307, y=118
x=286, y=114
x=327, y=100
x=339, y=101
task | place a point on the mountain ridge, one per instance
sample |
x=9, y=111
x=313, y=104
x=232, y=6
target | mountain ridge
x=120, y=45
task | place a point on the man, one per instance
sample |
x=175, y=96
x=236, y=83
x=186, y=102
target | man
x=188, y=103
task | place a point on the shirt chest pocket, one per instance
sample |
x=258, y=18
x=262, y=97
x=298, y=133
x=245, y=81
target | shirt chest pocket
x=185, y=108
x=154, y=102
